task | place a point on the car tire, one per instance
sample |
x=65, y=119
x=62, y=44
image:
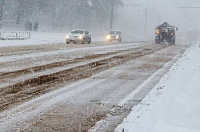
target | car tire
x=67, y=42
x=74, y=42
x=89, y=42
x=157, y=41
x=172, y=43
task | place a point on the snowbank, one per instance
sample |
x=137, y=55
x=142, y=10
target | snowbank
x=44, y=38
x=59, y=37
x=174, y=103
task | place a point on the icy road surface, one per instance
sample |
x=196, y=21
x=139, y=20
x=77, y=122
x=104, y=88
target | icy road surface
x=73, y=87
x=173, y=104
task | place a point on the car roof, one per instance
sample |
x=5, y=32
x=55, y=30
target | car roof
x=115, y=31
x=79, y=29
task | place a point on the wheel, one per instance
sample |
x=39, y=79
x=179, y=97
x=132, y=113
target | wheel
x=157, y=42
x=67, y=42
x=89, y=41
x=74, y=42
x=172, y=42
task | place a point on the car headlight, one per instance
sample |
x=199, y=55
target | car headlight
x=117, y=37
x=67, y=37
x=80, y=37
x=108, y=37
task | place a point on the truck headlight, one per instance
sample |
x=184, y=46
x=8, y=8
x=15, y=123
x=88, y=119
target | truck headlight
x=158, y=32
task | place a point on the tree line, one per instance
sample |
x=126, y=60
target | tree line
x=61, y=14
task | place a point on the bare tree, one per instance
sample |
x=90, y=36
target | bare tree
x=65, y=13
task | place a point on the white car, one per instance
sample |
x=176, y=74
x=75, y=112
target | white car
x=114, y=35
x=78, y=36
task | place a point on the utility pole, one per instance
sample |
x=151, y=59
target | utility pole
x=18, y=18
x=54, y=15
x=112, y=11
x=111, y=18
x=145, y=28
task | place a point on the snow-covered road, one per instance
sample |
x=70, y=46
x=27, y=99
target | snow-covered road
x=173, y=105
x=79, y=105
x=31, y=58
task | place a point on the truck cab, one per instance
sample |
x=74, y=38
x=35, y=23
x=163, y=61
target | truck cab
x=165, y=33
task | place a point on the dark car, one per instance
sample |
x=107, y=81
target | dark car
x=165, y=33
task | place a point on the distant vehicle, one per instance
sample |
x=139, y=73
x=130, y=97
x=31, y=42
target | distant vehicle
x=78, y=36
x=165, y=33
x=114, y=35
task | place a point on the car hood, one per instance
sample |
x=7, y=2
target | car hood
x=74, y=35
x=114, y=34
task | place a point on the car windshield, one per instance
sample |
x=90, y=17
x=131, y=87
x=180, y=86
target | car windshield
x=77, y=31
x=114, y=32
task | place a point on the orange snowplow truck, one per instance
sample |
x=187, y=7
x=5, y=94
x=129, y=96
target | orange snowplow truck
x=165, y=33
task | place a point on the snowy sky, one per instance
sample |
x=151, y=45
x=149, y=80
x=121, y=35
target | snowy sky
x=159, y=11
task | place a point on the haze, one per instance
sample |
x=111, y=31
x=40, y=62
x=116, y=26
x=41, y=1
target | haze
x=132, y=18
x=137, y=19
